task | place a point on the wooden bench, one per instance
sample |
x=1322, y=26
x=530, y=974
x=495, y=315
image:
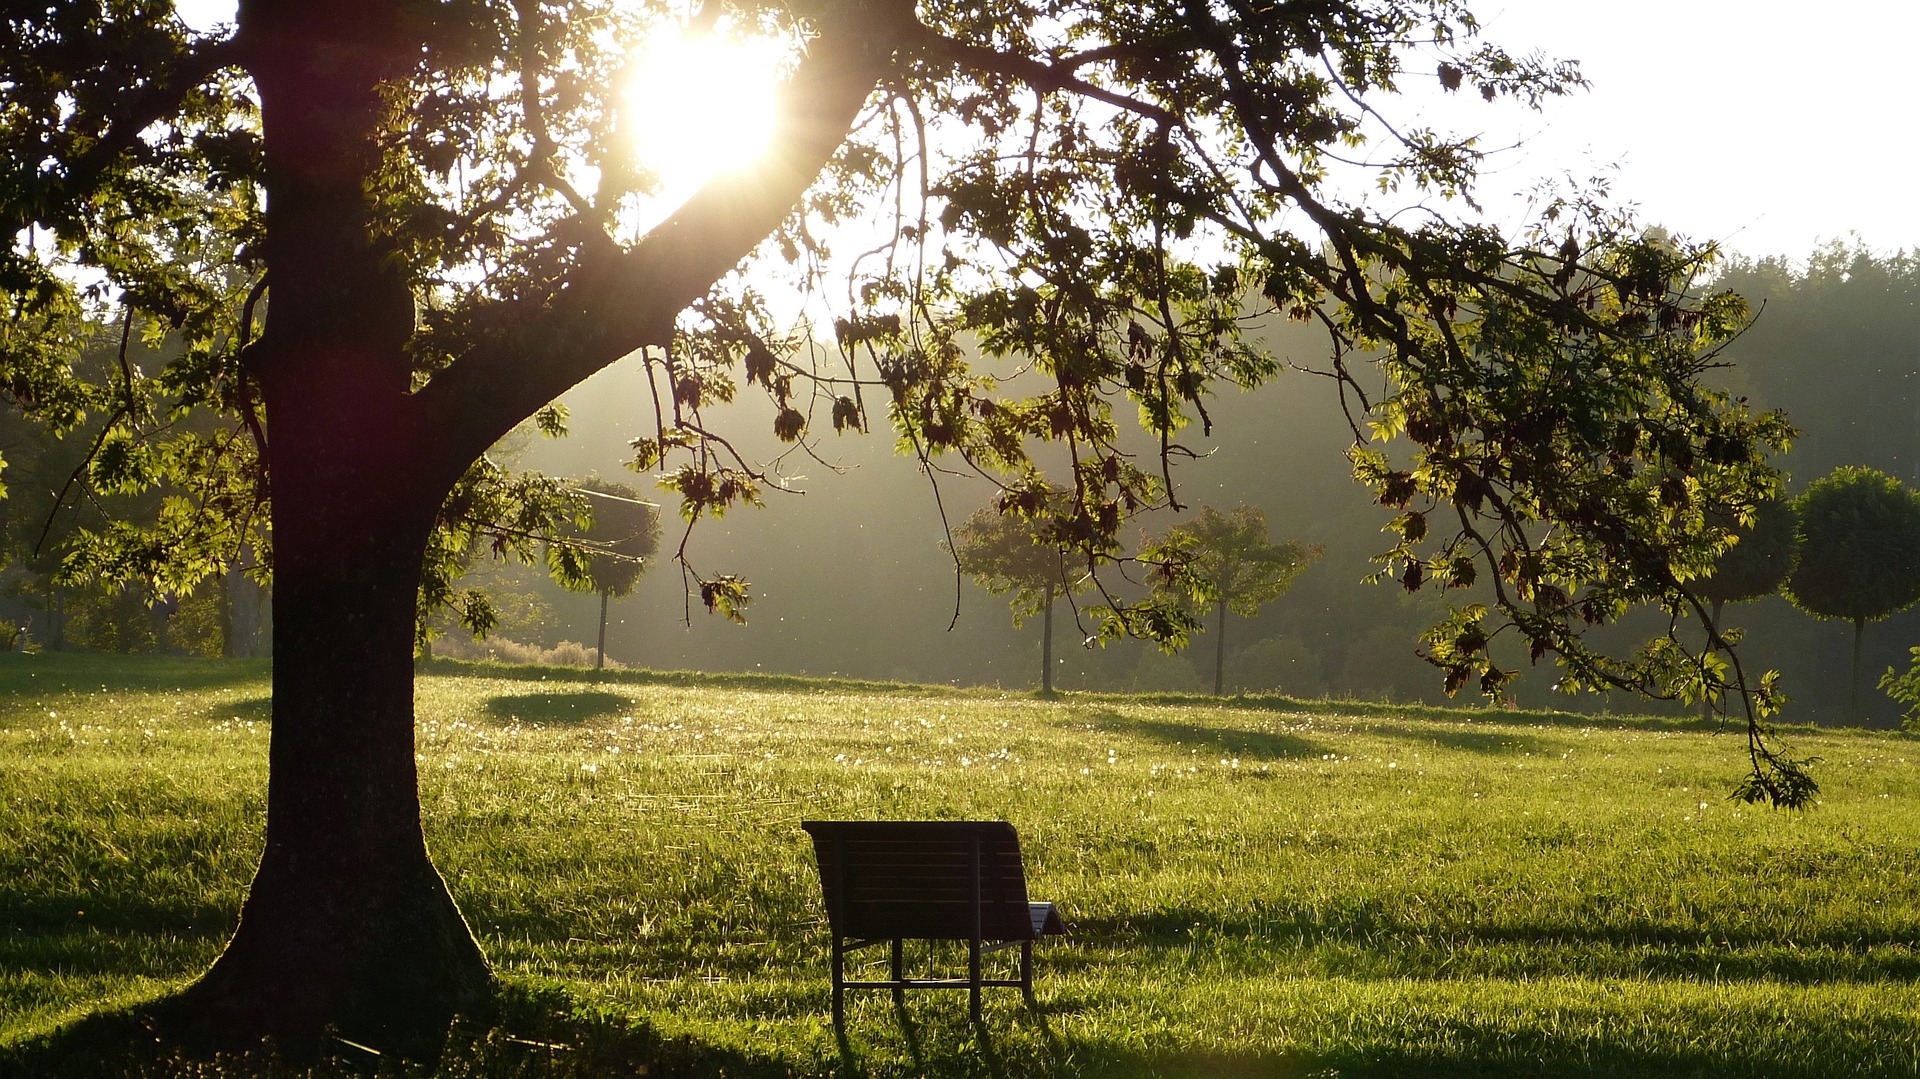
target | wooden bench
x=895, y=881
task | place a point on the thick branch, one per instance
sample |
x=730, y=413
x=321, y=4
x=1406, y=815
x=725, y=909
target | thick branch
x=142, y=107
x=1039, y=74
x=623, y=301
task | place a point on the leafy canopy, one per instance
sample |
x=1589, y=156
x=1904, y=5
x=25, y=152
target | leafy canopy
x=1008, y=550
x=1081, y=203
x=1762, y=555
x=616, y=545
x=1228, y=558
x=1859, y=546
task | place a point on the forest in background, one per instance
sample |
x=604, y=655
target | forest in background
x=851, y=577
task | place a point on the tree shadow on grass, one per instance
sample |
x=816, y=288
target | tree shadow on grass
x=248, y=710
x=1490, y=1047
x=576, y=706
x=542, y=1032
x=529, y=1032
x=1338, y=708
x=1492, y=740
x=1274, y=745
x=1368, y=938
x=1229, y=741
x=34, y=674
x=1484, y=1054
x=727, y=680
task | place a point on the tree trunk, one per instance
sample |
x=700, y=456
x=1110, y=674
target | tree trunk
x=1046, y=643
x=600, y=649
x=1220, y=651
x=347, y=923
x=1853, y=680
x=223, y=613
x=1706, y=699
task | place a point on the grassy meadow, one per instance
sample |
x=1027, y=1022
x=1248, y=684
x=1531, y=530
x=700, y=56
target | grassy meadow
x=1256, y=887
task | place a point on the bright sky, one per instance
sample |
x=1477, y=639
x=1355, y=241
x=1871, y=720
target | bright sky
x=1769, y=126
x=1766, y=125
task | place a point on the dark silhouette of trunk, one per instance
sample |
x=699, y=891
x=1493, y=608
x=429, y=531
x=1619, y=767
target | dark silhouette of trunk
x=1220, y=651
x=223, y=614
x=1706, y=700
x=347, y=924
x=1853, y=679
x=600, y=649
x=1046, y=643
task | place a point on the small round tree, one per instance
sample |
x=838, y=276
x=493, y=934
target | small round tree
x=1232, y=565
x=611, y=553
x=1754, y=567
x=1859, y=554
x=1005, y=552
x=1759, y=561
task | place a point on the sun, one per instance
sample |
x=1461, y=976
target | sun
x=701, y=105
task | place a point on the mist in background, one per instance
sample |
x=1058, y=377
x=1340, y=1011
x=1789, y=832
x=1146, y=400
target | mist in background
x=850, y=578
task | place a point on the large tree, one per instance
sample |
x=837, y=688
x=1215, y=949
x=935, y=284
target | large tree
x=384, y=232
x=1859, y=531
x=1235, y=565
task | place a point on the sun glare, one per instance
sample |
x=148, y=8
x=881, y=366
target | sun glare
x=702, y=105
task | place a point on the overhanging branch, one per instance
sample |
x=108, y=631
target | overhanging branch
x=623, y=300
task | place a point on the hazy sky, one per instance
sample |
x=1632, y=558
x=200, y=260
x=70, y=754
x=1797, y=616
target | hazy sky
x=1766, y=125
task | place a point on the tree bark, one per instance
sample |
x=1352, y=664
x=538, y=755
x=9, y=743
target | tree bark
x=1853, y=679
x=1046, y=643
x=347, y=924
x=223, y=612
x=1220, y=651
x=600, y=649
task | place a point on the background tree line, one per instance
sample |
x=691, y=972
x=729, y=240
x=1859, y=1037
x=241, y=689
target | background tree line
x=1835, y=341
x=860, y=559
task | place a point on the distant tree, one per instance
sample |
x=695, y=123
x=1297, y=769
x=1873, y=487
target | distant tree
x=1854, y=308
x=1859, y=553
x=612, y=552
x=1755, y=566
x=1009, y=553
x=1229, y=564
x=1759, y=561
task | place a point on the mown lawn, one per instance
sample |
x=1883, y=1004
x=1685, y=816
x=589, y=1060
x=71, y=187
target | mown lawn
x=1267, y=887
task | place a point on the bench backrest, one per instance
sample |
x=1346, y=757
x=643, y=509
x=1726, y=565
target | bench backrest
x=922, y=880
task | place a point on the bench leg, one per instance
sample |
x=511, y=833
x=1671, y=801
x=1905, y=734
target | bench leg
x=899, y=972
x=973, y=978
x=1026, y=971
x=839, y=986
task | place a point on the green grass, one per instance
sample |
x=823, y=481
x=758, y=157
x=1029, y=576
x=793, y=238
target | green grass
x=1266, y=887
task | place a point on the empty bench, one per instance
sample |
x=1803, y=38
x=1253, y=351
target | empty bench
x=888, y=882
